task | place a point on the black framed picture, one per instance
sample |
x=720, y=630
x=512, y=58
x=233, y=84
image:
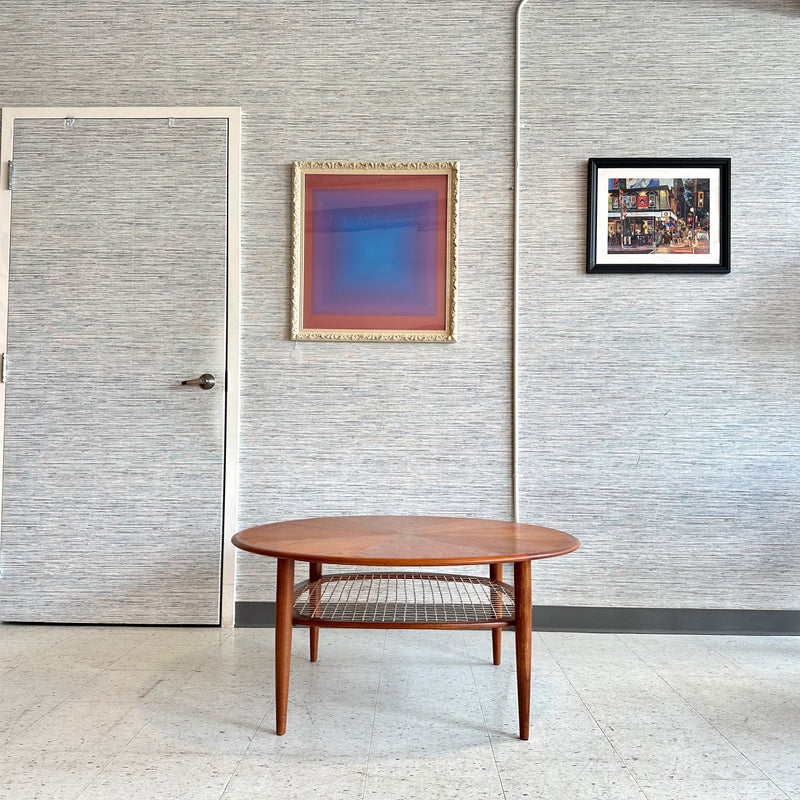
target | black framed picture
x=659, y=215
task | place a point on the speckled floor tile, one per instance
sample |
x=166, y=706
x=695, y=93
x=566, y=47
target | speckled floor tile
x=471, y=774
x=415, y=699
x=433, y=647
x=343, y=647
x=312, y=777
x=13, y=723
x=686, y=655
x=557, y=733
x=45, y=773
x=689, y=789
x=185, y=776
x=760, y=723
x=590, y=659
x=196, y=727
x=16, y=650
x=660, y=739
x=26, y=697
x=771, y=659
x=51, y=663
x=140, y=687
x=40, y=635
x=330, y=714
x=23, y=688
x=150, y=656
x=251, y=647
x=552, y=777
x=193, y=636
x=785, y=776
x=20, y=643
x=552, y=696
x=96, y=728
x=102, y=712
x=87, y=648
x=221, y=689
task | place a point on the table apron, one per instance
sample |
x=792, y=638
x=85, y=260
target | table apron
x=431, y=626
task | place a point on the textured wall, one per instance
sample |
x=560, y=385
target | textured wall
x=116, y=293
x=327, y=427
x=658, y=411
x=345, y=428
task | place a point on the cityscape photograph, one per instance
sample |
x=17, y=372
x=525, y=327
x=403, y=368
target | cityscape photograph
x=658, y=215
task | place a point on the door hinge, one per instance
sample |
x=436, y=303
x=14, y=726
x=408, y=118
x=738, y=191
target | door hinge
x=4, y=368
x=11, y=180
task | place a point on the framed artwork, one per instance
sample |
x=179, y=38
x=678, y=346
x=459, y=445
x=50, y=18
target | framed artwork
x=659, y=215
x=374, y=251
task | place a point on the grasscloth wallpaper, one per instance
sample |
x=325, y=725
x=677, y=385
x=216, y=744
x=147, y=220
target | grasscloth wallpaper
x=106, y=457
x=658, y=413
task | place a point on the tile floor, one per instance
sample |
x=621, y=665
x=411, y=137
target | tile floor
x=99, y=713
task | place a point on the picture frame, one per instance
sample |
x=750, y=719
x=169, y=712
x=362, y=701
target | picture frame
x=374, y=251
x=668, y=215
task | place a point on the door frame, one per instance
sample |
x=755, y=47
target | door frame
x=233, y=115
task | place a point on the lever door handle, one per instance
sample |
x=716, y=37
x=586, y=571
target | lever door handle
x=205, y=381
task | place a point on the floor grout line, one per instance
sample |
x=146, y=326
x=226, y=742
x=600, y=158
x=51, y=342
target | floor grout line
x=483, y=714
x=60, y=702
x=270, y=707
x=721, y=655
x=593, y=718
x=374, y=717
x=726, y=738
x=702, y=711
x=162, y=704
x=665, y=680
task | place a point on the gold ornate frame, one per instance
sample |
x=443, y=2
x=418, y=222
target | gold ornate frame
x=303, y=168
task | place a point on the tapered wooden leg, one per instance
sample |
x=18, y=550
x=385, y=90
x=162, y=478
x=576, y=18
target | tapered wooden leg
x=283, y=641
x=314, y=574
x=313, y=642
x=522, y=621
x=496, y=574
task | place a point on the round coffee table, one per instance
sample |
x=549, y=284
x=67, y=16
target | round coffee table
x=408, y=599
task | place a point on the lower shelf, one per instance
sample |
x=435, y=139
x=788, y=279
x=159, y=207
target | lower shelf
x=403, y=600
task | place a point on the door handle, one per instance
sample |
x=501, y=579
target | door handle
x=205, y=381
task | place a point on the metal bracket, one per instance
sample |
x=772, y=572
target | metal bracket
x=10, y=176
x=4, y=368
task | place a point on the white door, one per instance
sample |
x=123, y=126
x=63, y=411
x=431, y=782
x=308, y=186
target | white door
x=113, y=471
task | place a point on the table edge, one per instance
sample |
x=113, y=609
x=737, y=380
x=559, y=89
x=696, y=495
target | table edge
x=405, y=562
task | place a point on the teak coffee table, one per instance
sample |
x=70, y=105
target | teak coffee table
x=404, y=599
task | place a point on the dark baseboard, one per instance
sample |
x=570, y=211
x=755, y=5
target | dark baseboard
x=667, y=620
x=254, y=615
x=584, y=619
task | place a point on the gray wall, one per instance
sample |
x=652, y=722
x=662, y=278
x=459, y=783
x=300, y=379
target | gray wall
x=106, y=458
x=657, y=410
x=660, y=412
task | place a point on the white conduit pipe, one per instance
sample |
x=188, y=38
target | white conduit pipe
x=515, y=279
